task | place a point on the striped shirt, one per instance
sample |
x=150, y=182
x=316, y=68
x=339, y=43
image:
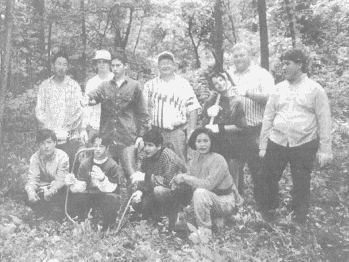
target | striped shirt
x=169, y=102
x=256, y=80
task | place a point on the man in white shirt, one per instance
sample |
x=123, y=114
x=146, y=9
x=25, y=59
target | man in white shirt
x=58, y=107
x=102, y=60
x=172, y=105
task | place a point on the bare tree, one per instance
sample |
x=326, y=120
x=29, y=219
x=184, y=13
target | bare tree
x=263, y=33
x=7, y=60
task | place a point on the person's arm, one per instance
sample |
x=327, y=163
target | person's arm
x=95, y=96
x=33, y=174
x=62, y=171
x=192, y=105
x=216, y=174
x=115, y=177
x=323, y=115
x=268, y=119
x=141, y=110
x=266, y=88
x=40, y=109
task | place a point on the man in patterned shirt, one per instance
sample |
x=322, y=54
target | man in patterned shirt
x=58, y=107
x=172, y=105
x=47, y=170
x=154, y=195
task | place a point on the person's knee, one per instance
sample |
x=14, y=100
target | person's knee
x=162, y=194
x=200, y=196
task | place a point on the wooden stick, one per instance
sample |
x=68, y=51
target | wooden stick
x=216, y=103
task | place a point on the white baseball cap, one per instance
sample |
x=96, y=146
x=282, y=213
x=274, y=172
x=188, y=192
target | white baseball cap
x=102, y=54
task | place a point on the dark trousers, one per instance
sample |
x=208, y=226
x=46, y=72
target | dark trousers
x=301, y=160
x=51, y=209
x=107, y=203
x=164, y=201
x=245, y=149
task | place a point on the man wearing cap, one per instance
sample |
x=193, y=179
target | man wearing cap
x=253, y=87
x=124, y=113
x=102, y=61
x=296, y=128
x=172, y=105
x=58, y=107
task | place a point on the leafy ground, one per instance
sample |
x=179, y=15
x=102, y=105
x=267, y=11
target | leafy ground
x=246, y=236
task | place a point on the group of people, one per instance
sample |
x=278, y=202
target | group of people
x=246, y=119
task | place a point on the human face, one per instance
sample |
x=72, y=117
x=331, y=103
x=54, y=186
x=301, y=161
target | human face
x=242, y=59
x=100, y=151
x=166, y=67
x=291, y=70
x=151, y=149
x=220, y=84
x=103, y=66
x=61, y=67
x=118, y=68
x=47, y=147
x=203, y=143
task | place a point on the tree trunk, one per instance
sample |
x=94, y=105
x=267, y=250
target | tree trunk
x=7, y=61
x=218, y=35
x=49, y=47
x=83, y=39
x=263, y=34
x=39, y=11
x=138, y=36
x=290, y=16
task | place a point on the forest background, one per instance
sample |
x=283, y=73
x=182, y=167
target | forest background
x=201, y=35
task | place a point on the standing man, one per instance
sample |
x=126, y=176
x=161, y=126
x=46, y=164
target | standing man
x=253, y=87
x=58, y=106
x=123, y=113
x=296, y=128
x=102, y=61
x=172, y=105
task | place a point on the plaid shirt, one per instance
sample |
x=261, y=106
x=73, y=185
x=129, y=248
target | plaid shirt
x=160, y=169
x=124, y=113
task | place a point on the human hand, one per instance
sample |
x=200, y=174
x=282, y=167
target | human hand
x=49, y=192
x=262, y=153
x=213, y=128
x=84, y=136
x=137, y=176
x=179, y=178
x=213, y=110
x=97, y=173
x=33, y=196
x=324, y=159
x=80, y=186
x=70, y=179
x=85, y=100
x=139, y=144
x=137, y=196
x=240, y=90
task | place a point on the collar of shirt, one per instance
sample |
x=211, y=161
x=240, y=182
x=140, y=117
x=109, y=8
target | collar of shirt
x=299, y=81
x=46, y=160
x=120, y=81
x=65, y=81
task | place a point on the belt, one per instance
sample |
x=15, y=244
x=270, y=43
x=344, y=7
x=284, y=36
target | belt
x=223, y=192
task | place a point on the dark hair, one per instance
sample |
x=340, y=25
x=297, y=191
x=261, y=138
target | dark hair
x=296, y=56
x=121, y=56
x=44, y=134
x=153, y=136
x=60, y=54
x=215, y=74
x=105, y=139
x=196, y=133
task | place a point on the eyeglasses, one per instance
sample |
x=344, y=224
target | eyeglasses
x=102, y=62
